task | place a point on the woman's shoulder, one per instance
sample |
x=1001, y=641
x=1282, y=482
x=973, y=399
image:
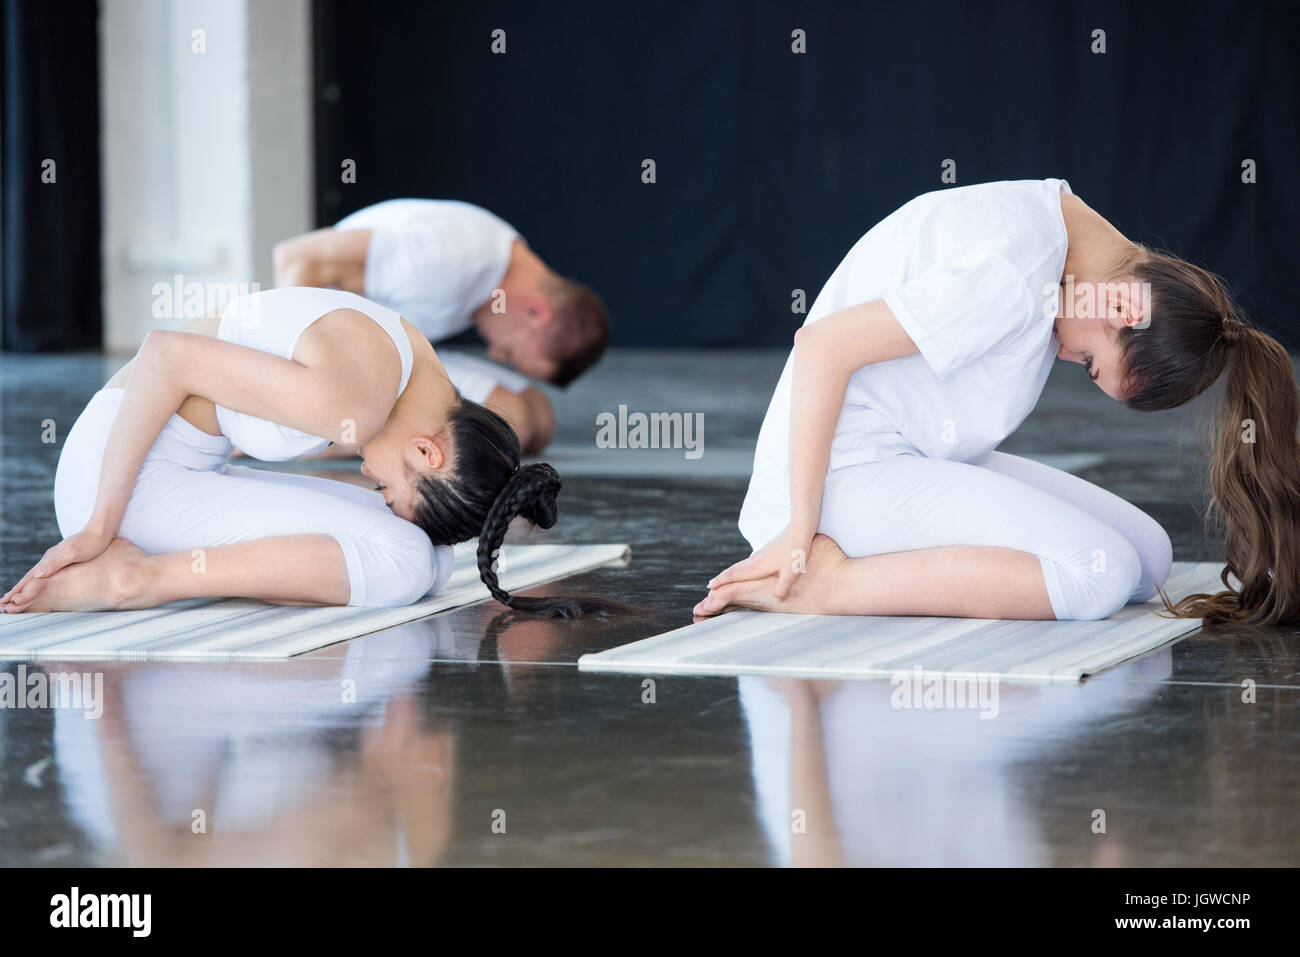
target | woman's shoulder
x=349, y=336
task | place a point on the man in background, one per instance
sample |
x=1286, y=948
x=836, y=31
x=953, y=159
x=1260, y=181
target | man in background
x=447, y=266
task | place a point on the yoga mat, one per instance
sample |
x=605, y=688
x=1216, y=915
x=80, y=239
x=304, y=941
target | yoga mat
x=843, y=646
x=240, y=628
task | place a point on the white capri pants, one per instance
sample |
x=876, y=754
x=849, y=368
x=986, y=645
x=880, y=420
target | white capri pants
x=1097, y=551
x=189, y=496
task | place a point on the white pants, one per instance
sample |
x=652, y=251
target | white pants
x=1097, y=551
x=475, y=378
x=188, y=496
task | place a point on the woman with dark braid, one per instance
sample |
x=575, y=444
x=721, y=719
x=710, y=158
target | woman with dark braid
x=152, y=510
x=877, y=488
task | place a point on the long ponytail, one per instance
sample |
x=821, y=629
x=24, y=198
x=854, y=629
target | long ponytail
x=530, y=492
x=1255, y=478
x=1194, y=336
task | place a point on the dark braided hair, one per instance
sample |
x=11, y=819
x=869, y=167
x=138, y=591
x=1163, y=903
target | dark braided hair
x=487, y=488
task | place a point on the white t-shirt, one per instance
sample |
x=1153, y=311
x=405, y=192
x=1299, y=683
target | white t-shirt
x=434, y=261
x=971, y=274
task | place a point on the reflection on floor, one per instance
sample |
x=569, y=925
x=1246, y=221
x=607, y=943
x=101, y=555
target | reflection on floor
x=472, y=738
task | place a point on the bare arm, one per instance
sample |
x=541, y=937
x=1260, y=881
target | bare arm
x=826, y=354
x=350, y=389
x=325, y=400
x=529, y=413
x=326, y=257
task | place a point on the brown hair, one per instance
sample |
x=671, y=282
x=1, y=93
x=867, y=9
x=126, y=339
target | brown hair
x=580, y=333
x=1194, y=335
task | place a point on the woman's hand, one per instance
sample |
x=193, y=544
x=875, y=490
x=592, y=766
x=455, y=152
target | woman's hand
x=87, y=544
x=816, y=585
x=784, y=556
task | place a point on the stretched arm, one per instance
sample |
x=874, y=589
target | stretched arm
x=346, y=396
x=826, y=353
x=326, y=400
x=326, y=257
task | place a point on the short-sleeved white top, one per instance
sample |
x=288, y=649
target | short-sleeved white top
x=971, y=274
x=434, y=261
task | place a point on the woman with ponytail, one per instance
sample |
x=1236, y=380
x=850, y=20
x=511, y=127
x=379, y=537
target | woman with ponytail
x=153, y=511
x=877, y=489
x=1254, y=475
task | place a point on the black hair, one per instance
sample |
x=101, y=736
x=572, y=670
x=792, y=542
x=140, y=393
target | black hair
x=480, y=496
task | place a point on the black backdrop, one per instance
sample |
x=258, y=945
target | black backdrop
x=49, y=99
x=770, y=164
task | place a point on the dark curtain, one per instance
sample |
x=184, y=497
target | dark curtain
x=770, y=164
x=51, y=232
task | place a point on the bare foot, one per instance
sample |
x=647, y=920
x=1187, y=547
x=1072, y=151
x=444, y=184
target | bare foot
x=114, y=580
x=812, y=593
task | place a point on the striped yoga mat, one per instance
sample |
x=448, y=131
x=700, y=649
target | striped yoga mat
x=831, y=646
x=237, y=628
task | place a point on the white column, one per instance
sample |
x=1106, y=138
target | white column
x=206, y=113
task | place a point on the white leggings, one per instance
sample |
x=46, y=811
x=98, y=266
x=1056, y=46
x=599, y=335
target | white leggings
x=1097, y=551
x=188, y=496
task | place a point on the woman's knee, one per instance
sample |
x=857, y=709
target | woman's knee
x=1157, y=556
x=76, y=486
x=399, y=566
x=1096, y=581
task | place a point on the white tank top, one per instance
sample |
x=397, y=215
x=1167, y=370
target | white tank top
x=272, y=321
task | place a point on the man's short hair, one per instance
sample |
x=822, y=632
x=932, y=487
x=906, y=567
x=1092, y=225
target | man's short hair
x=579, y=332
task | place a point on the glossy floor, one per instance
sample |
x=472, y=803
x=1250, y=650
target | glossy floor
x=472, y=738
